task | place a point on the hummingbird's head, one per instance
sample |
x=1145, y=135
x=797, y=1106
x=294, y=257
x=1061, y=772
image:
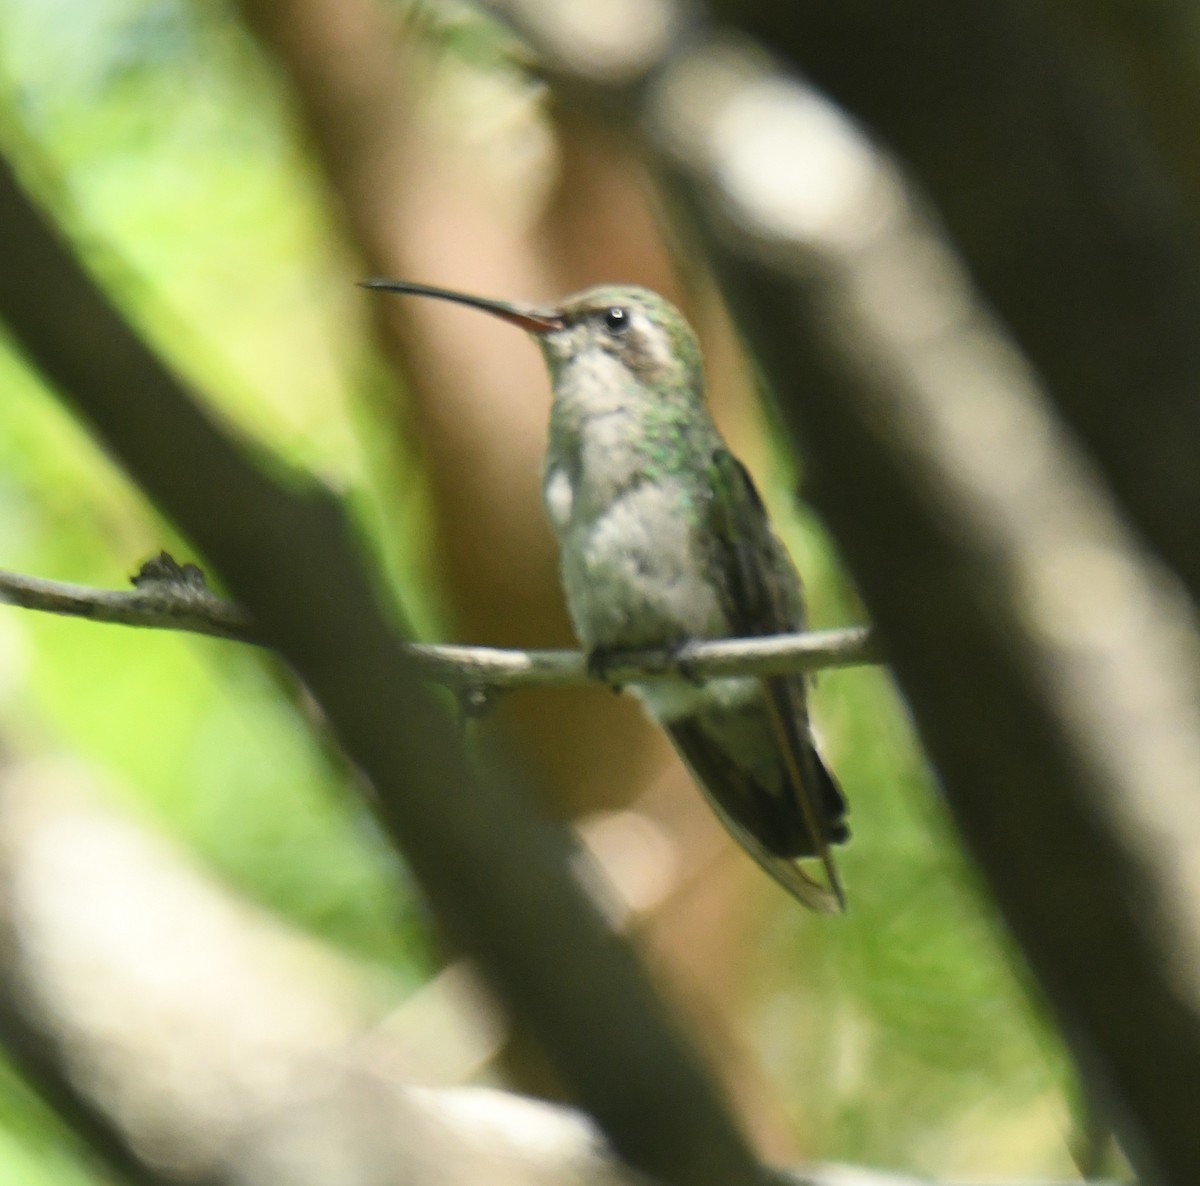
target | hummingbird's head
x=634, y=330
x=615, y=331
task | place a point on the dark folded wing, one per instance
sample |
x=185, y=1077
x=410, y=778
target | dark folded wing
x=761, y=595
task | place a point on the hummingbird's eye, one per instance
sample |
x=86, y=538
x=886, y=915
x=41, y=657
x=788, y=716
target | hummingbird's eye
x=616, y=319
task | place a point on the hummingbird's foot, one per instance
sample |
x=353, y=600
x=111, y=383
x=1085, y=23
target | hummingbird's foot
x=600, y=661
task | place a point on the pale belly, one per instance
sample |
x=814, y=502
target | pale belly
x=635, y=576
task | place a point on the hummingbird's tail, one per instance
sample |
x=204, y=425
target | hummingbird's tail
x=768, y=826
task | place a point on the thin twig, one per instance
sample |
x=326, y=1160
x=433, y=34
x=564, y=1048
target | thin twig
x=175, y=605
x=162, y=605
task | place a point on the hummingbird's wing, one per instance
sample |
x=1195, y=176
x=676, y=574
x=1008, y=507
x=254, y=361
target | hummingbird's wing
x=761, y=592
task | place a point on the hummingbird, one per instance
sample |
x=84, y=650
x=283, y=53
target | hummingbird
x=663, y=539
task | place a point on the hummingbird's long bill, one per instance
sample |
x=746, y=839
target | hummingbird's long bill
x=533, y=320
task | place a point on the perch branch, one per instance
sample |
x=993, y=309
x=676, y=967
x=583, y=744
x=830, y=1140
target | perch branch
x=161, y=605
x=175, y=605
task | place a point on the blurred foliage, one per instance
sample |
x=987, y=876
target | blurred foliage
x=898, y=1035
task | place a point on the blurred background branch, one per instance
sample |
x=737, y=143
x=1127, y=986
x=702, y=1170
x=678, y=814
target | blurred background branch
x=278, y=1064
x=1057, y=197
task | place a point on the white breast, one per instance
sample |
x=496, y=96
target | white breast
x=634, y=575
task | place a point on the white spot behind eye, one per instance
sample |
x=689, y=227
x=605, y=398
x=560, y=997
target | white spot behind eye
x=653, y=345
